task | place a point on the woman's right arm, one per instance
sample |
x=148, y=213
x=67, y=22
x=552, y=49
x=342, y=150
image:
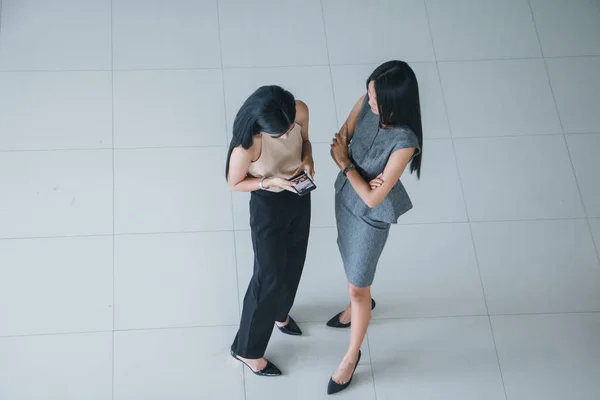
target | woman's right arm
x=350, y=124
x=238, y=178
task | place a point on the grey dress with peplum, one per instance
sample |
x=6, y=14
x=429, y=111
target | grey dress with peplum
x=363, y=231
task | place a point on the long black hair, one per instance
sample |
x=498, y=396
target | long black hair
x=270, y=109
x=397, y=94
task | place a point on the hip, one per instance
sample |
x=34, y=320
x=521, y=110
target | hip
x=395, y=204
x=279, y=205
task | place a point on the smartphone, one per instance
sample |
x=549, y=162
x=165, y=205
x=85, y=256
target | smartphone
x=302, y=184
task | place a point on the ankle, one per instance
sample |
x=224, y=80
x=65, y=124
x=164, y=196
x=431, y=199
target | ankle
x=249, y=359
x=351, y=356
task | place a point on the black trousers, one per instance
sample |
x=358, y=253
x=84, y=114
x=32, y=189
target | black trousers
x=279, y=223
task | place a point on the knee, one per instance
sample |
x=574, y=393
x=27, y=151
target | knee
x=272, y=286
x=358, y=294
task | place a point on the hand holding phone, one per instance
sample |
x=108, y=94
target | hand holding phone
x=302, y=184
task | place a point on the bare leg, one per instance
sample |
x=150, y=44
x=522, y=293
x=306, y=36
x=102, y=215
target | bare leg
x=346, y=315
x=360, y=301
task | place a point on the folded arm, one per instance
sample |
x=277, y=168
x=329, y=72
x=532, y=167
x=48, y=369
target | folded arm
x=392, y=172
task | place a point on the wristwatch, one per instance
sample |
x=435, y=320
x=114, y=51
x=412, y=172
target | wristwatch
x=349, y=167
x=261, y=183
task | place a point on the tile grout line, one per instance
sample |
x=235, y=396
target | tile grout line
x=489, y=316
x=460, y=179
x=235, y=253
x=564, y=134
x=462, y=190
x=406, y=318
x=587, y=219
x=337, y=117
x=192, y=232
x=118, y=70
x=142, y=148
x=112, y=93
x=1, y=17
x=371, y=361
x=596, y=244
x=112, y=149
x=537, y=36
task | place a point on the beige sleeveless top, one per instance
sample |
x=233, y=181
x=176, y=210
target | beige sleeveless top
x=279, y=157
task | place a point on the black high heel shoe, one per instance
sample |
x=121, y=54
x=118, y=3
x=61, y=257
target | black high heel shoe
x=270, y=370
x=291, y=328
x=333, y=387
x=335, y=321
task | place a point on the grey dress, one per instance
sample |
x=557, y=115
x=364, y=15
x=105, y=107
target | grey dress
x=363, y=231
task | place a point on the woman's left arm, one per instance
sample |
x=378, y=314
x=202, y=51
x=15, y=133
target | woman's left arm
x=308, y=164
x=391, y=173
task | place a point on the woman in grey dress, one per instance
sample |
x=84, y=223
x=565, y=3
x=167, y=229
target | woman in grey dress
x=381, y=136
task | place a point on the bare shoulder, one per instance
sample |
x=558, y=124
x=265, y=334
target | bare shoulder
x=358, y=106
x=361, y=100
x=352, y=119
x=301, y=112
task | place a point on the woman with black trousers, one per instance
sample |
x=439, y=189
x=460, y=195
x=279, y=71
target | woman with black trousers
x=269, y=146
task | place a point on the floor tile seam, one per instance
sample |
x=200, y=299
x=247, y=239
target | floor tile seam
x=376, y=320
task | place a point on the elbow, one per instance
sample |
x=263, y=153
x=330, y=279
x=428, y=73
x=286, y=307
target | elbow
x=374, y=198
x=232, y=186
x=372, y=203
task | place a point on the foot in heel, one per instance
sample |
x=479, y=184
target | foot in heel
x=336, y=323
x=338, y=384
x=290, y=327
x=260, y=367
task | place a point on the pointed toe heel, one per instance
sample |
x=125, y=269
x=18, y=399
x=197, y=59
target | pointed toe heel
x=335, y=322
x=333, y=387
x=291, y=328
x=270, y=369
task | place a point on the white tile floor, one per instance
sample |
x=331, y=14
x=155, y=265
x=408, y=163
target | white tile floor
x=123, y=255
